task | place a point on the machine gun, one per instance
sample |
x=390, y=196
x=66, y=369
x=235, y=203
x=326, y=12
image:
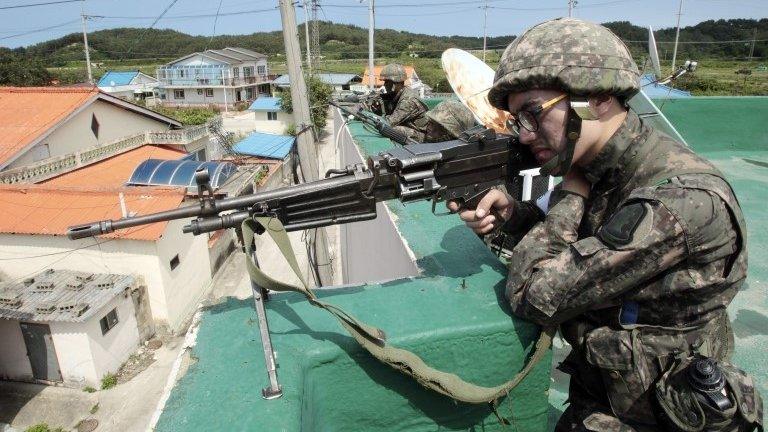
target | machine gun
x=462, y=170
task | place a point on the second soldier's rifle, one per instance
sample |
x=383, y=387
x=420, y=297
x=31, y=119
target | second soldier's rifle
x=370, y=119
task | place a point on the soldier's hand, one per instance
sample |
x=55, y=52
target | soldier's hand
x=481, y=219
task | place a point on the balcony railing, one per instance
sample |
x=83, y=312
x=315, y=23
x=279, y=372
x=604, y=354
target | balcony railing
x=55, y=166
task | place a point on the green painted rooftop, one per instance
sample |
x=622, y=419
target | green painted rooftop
x=453, y=315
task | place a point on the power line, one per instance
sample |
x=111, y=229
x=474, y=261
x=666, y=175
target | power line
x=159, y=17
x=38, y=4
x=40, y=29
x=215, y=21
x=173, y=17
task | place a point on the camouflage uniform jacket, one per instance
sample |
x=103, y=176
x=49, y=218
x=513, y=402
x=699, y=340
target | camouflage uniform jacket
x=406, y=109
x=641, y=269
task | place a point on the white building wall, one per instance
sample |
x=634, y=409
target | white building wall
x=278, y=126
x=85, y=355
x=121, y=256
x=14, y=363
x=74, y=354
x=76, y=134
x=185, y=285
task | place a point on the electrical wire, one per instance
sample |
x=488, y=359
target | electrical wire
x=215, y=21
x=146, y=30
x=40, y=29
x=38, y=4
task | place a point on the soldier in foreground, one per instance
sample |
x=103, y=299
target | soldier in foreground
x=445, y=122
x=401, y=105
x=638, y=252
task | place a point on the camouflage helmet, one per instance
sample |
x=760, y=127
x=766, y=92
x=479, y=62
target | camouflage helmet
x=453, y=116
x=575, y=56
x=393, y=72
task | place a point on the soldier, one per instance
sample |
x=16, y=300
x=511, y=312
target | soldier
x=636, y=255
x=402, y=106
x=445, y=122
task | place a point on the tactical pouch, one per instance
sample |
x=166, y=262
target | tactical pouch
x=681, y=411
x=623, y=365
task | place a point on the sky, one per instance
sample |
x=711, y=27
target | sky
x=29, y=25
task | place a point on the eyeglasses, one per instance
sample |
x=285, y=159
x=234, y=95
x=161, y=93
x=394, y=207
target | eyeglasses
x=528, y=118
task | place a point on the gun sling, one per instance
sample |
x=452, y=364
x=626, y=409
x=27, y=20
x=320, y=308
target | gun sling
x=374, y=340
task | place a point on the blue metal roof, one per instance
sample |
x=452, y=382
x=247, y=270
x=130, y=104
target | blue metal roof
x=266, y=104
x=328, y=78
x=660, y=91
x=158, y=172
x=112, y=78
x=266, y=145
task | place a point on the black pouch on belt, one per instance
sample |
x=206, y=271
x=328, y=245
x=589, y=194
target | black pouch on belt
x=698, y=394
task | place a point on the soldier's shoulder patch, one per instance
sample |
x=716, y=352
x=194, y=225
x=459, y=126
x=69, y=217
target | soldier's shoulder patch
x=620, y=228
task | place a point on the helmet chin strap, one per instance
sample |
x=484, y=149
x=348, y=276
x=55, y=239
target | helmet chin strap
x=561, y=163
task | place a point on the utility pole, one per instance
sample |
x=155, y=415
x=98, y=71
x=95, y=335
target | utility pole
x=485, y=28
x=677, y=35
x=315, y=35
x=752, y=48
x=371, y=26
x=306, y=37
x=305, y=138
x=85, y=45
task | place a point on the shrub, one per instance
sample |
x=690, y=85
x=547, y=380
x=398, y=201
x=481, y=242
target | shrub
x=43, y=427
x=109, y=381
x=89, y=389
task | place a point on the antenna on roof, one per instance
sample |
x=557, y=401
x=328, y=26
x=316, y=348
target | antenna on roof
x=654, y=53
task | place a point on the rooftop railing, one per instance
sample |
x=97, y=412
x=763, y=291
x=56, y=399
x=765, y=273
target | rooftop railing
x=58, y=165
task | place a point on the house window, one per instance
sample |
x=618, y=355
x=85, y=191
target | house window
x=200, y=92
x=178, y=94
x=94, y=126
x=200, y=156
x=208, y=92
x=181, y=73
x=174, y=262
x=271, y=115
x=249, y=93
x=261, y=70
x=161, y=74
x=247, y=71
x=235, y=72
x=109, y=321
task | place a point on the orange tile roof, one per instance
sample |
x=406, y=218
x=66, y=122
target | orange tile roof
x=28, y=112
x=114, y=171
x=409, y=71
x=41, y=209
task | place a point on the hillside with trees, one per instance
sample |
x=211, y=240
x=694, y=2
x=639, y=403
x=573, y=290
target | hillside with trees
x=343, y=41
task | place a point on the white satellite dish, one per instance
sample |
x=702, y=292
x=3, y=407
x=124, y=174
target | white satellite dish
x=470, y=79
x=654, y=53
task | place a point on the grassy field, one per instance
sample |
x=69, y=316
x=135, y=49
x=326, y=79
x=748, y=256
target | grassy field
x=713, y=77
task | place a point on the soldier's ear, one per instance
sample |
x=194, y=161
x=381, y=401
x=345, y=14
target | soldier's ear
x=599, y=105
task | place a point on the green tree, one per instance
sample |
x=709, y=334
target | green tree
x=17, y=70
x=319, y=95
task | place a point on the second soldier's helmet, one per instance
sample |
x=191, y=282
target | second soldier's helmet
x=453, y=116
x=575, y=56
x=393, y=72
